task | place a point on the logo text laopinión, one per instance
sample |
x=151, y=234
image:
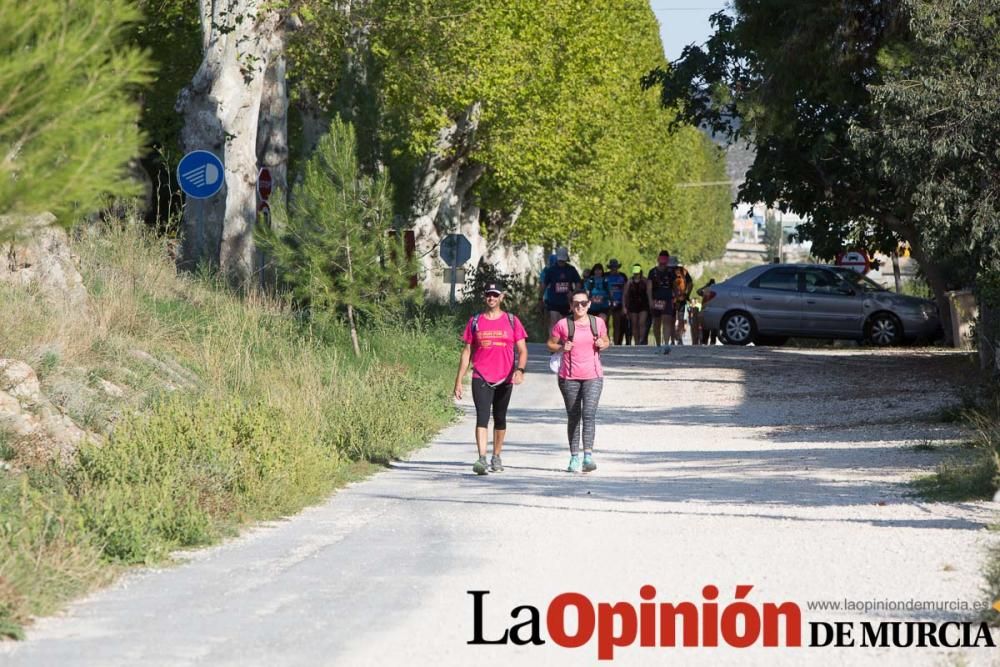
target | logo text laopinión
x=572, y=620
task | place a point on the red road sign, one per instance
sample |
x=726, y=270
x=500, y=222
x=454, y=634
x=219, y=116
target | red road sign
x=264, y=183
x=854, y=259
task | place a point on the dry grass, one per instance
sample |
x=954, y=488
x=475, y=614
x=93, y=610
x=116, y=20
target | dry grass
x=232, y=409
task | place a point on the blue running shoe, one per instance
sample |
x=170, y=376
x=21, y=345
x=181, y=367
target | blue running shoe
x=588, y=462
x=574, y=464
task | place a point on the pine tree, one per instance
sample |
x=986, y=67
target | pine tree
x=68, y=119
x=335, y=248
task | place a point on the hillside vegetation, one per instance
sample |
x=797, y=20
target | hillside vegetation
x=205, y=411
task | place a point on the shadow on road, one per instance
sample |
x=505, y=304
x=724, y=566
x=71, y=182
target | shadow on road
x=744, y=431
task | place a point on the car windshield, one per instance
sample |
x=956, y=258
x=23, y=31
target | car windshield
x=858, y=280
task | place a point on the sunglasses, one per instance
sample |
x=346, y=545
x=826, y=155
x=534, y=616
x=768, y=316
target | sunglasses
x=579, y=303
x=493, y=295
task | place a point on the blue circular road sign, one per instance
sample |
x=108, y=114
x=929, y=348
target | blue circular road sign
x=200, y=174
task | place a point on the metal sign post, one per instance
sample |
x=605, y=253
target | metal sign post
x=455, y=250
x=265, y=183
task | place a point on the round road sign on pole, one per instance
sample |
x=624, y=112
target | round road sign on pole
x=856, y=260
x=200, y=174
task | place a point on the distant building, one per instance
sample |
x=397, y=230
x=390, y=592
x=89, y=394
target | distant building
x=749, y=221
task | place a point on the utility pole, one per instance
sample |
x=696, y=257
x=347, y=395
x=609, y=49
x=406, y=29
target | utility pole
x=895, y=272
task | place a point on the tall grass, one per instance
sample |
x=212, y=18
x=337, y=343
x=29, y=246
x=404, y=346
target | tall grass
x=227, y=410
x=975, y=476
x=992, y=588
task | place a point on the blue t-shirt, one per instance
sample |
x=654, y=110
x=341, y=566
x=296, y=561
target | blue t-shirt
x=600, y=293
x=616, y=285
x=559, y=281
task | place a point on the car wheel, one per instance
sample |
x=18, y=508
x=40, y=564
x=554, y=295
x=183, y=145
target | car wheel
x=883, y=330
x=737, y=328
x=772, y=341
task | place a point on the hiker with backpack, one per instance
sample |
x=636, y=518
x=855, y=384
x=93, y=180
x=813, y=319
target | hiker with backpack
x=547, y=288
x=660, y=292
x=683, y=284
x=599, y=289
x=635, y=302
x=708, y=336
x=491, y=337
x=697, y=323
x=559, y=282
x=616, y=285
x=580, y=338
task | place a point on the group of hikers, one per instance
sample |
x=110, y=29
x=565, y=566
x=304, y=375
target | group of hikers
x=659, y=300
x=580, y=309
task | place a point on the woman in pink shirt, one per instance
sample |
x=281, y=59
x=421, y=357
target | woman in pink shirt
x=581, y=377
x=490, y=339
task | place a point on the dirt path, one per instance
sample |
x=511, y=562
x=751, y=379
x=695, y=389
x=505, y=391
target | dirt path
x=780, y=469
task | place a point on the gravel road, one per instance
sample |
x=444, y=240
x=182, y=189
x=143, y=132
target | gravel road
x=781, y=469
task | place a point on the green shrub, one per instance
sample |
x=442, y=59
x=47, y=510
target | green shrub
x=992, y=575
x=6, y=446
x=332, y=243
x=917, y=287
x=235, y=409
x=46, y=555
x=362, y=426
x=181, y=474
x=957, y=481
x=978, y=477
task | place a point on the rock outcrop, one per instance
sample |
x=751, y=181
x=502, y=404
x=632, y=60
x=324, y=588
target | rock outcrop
x=40, y=431
x=41, y=257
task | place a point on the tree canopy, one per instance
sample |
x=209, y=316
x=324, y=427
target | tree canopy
x=68, y=113
x=933, y=138
x=792, y=78
x=332, y=241
x=875, y=119
x=567, y=138
x=566, y=131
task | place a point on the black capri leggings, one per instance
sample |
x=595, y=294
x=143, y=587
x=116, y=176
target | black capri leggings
x=486, y=397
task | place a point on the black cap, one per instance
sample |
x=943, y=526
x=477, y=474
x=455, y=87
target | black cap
x=613, y=264
x=494, y=287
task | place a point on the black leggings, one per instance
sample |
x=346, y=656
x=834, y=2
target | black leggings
x=486, y=397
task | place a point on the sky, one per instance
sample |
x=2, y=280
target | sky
x=683, y=22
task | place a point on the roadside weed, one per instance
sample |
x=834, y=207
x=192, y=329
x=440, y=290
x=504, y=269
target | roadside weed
x=224, y=410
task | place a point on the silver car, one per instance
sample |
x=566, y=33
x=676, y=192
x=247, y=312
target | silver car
x=770, y=303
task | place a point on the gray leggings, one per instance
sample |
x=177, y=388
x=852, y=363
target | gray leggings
x=581, y=397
